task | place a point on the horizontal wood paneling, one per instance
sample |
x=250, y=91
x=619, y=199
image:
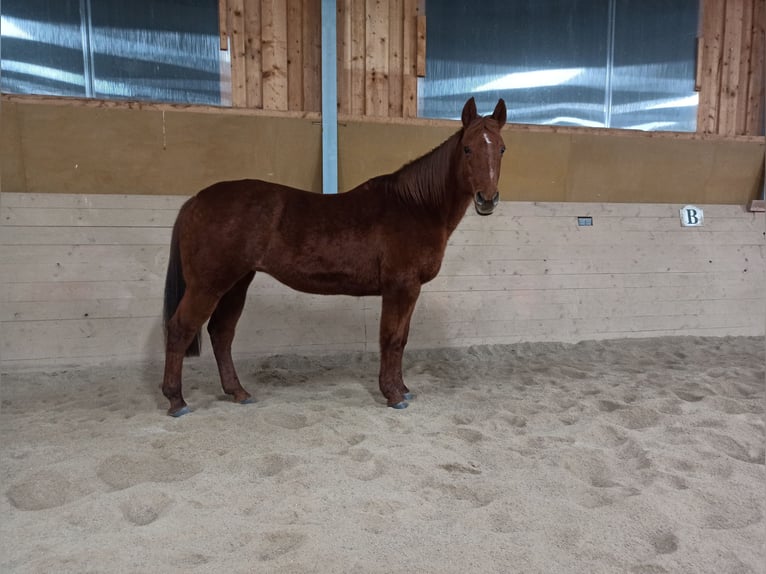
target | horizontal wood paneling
x=82, y=280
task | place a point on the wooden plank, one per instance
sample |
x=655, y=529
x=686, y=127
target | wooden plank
x=602, y=236
x=223, y=31
x=118, y=308
x=253, y=56
x=494, y=306
x=730, y=79
x=690, y=286
x=756, y=71
x=376, y=59
x=274, y=53
x=395, y=57
x=409, y=59
x=85, y=338
x=295, y=24
x=358, y=58
x=84, y=235
x=421, y=48
x=145, y=266
x=712, y=56
x=31, y=217
x=511, y=209
x=745, y=64
x=544, y=226
x=83, y=290
x=542, y=251
x=94, y=201
x=236, y=23
x=312, y=55
x=150, y=255
x=344, y=56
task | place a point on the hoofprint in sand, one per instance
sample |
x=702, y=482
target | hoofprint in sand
x=636, y=456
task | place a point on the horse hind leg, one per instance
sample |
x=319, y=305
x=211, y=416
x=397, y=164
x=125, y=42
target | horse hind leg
x=192, y=312
x=221, y=328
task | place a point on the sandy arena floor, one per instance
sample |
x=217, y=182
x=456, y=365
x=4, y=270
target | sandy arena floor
x=629, y=456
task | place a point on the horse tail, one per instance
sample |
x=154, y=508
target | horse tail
x=175, y=286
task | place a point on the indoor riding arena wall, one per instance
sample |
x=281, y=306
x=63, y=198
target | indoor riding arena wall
x=91, y=190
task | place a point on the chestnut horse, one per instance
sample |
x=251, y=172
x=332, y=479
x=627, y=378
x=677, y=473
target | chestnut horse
x=385, y=237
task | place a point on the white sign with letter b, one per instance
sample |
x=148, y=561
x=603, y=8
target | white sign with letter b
x=691, y=216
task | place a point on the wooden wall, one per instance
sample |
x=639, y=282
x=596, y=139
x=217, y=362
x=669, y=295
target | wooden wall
x=381, y=49
x=731, y=67
x=276, y=55
x=81, y=279
x=53, y=146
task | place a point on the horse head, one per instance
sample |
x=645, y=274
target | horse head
x=481, y=149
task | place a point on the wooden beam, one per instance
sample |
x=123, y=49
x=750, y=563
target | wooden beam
x=756, y=72
x=358, y=43
x=312, y=55
x=376, y=59
x=731, y=86
x=344, y=56
x=253, y=70
x=421, y=63
x=236, y=24
x=274, y=34
x=295, y=24
x=409, y=60
x=223, y=31
x=712, y=35
x=395, y=57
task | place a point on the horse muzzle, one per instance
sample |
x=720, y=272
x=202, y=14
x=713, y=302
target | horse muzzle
x=483, y=205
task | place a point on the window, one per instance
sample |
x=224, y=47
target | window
x=614, y=63
x=161, y=50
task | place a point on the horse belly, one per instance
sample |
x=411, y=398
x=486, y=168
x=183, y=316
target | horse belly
x=311, y=272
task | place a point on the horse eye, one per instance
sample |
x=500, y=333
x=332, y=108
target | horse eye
x=502, y=150
x=467, y=150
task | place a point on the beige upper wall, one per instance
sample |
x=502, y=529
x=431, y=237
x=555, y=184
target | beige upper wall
x=60, y=146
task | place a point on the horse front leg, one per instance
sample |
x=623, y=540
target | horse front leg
x=398, y=306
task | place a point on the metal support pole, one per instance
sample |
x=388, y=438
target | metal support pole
x=329, y=98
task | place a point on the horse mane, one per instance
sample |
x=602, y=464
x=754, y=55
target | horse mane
x=423, y=182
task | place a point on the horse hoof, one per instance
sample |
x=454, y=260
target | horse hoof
x=247, y=401
x=400, y=406
x=409, y=396
x=184, y=410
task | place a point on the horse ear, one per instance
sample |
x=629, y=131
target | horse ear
x=499, y=115
x=469, y=112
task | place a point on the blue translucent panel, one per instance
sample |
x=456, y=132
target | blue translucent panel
x=163, y=50
x=654, y=65
x=613, y=63
x=544, y=57
x=160, y=50
x=42, y=49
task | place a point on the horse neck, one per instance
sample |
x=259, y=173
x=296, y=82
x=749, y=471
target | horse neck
x=431, y=183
